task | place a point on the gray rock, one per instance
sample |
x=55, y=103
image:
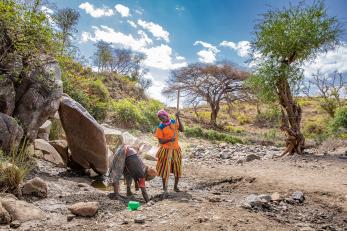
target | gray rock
x=49, y=152
x=225, y=155
x=139, y=220
x=62, y=148
x=85, y=137
x=253, y=200
x=38, y=95
x=215, y=199
x=10, y=132
x=84, y=209
x=251, y=157
x=5, y=217
x=265, y=197
x=276, y=197
x=7, y=95
x=298, y=196
x=113, y=137
x=21, y=210
x=15, y=224
x=44, y=130
x=35, y=187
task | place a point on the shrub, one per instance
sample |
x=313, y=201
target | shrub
x=140, y=115
x=210, y=135
x=14, y=168
x=233, y=129
x=98, y=89
x=268, y=118
x=339, y=123
x=243, y=119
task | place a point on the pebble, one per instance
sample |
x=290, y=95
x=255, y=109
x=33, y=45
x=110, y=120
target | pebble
x=139, y=220
x=15, y=224
x=298, y=196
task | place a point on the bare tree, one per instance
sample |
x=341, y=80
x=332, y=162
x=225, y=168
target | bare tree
x=329, y=88
x=127, y=62
x=210, y=83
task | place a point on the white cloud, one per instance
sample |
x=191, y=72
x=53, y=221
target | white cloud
x=156, y=30
x=123, y=10
x=158, y=56
x=107, y=34
x=243, y=48
x=207, y=55
x=180, y=58
x=334, y=60
x=132, y=23
x=46, y=10
x=96, y=12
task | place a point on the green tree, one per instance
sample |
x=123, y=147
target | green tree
x=103, y=56
x=284, y=40
x=66, y=19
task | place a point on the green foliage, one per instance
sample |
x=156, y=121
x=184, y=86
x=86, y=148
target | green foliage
x=133, y=114
x=268, y=118
x=243, y=118
x=270, y=135
x=233, y=129
x=24, y=32
x=210, y=135
x=340, y=120
x=14, y=168
x=56, y=130
x=81, y=85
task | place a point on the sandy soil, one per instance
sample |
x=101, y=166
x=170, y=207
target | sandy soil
x=211, y=198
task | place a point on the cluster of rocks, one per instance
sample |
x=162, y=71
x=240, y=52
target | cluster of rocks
x=266, y=202
x=236, y=153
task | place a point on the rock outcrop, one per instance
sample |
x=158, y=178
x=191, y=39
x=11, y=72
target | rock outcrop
x=85, y=137
x=7, y=95
x=49, y=152
x=38, y=95
x=10, y=132
x=84, y=209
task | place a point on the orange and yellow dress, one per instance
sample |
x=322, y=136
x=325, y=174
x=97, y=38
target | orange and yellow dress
x=169, y=155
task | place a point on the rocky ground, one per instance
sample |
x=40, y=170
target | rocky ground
x=224, y=187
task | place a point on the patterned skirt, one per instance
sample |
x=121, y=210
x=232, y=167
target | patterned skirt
x=169, y=161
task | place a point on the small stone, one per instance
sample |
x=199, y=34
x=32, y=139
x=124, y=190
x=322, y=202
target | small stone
x=276, y=197
x=70, y=217
x=15, y=224
x=139, y=220
x=225, y=155
x=298, y=196
x=251, y=157
x=202, y=219
x=215, y=199
x=82, y=185
x=35, y=187
x=184, y=200
x=124, y=222
x=84, y=209
x=265, y=197
x=5, y=217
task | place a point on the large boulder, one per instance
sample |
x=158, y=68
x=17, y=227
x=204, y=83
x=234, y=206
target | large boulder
x=35, y=187
x=49, y=152
x=85, y=137
x=7, y=95
x=21, y=210
x=38, y=95
x=10, y=132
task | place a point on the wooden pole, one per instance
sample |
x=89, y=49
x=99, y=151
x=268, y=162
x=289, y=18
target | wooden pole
x=178, y=100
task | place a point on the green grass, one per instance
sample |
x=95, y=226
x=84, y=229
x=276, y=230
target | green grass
x=211, y=135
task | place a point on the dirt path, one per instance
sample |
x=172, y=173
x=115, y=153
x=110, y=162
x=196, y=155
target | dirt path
x=211, y=199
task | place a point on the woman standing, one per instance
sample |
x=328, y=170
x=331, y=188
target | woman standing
x=169, y=154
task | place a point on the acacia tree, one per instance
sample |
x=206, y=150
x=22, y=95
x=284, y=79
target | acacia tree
x=329, y=88
x=284, y=40
x=66, y=19
x=211, y=83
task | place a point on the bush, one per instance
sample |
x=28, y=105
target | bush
x=340, y=120
x=233, y=129
x=14, y=168
x=140, y=115
x=243, y=119
x=269, y=118
x=98, y=89
x=210, y=135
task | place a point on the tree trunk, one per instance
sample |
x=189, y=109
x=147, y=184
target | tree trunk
x=291, y=118
x=214, y=114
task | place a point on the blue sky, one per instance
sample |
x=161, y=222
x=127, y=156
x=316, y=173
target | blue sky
x=174, y=33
